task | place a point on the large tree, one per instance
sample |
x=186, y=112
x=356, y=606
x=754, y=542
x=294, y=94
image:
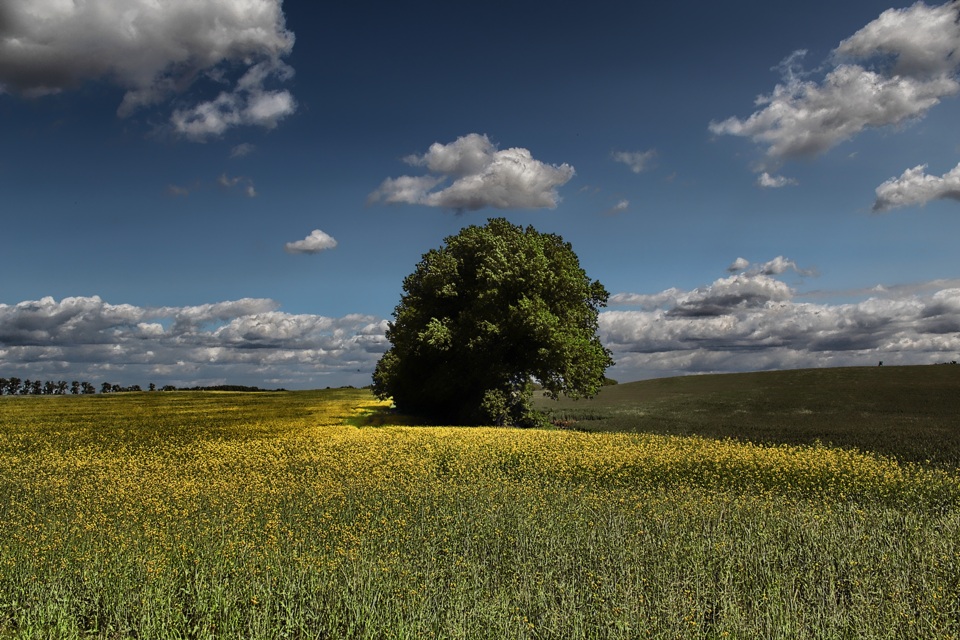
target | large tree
x=481, y=318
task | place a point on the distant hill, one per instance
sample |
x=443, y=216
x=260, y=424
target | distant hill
x=911, y=412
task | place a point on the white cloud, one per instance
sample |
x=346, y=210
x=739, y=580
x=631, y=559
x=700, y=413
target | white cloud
x=46, y=321
x=647, y=301
x=153, y=50
x=190, y=320
x=727, y=294
x=753, y=287
x=804, y=118
x=775, y=267
x=739, y=323
x=753, y=322
x=482, y=177
x=903, y=78
x=316, y=242
x=774, y=182
x=780, y=265
x=405, y=189
x=924, y=40
x=620, y=207
x=638, y=161
x=467, y=155
x=249, y=104
x=244, y=341
x=916, y=187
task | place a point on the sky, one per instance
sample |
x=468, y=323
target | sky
x=232, y=191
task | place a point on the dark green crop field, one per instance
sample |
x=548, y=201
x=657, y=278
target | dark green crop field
x=910, y=413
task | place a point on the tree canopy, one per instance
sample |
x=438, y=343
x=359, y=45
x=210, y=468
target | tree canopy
x=483, y=317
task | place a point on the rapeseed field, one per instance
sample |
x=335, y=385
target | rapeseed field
x=308, y=515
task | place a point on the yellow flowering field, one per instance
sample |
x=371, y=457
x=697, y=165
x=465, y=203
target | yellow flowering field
x=310, y=515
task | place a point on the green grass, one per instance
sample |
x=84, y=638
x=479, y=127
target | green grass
x=308, y=515
x=911, y=413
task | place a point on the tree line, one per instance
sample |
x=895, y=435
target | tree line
x=14, y=386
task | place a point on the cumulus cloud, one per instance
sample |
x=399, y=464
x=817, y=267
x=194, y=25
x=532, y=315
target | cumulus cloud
x=246, y=341
x=775, y=267
x=638, y=161
x=405, y=189
x=248, y=104
x=647, y=301
x=193, y=319
x=753, y=321
x=727, y=294
x=480, y=176
x=805, y=119
x=740, y=264
x=781, y=265
x=916, y=187
x=750, y=286
x=909, y=64
x=467, y=155
x=923, y=40
x=768, y=181
x=747, y=321
x=154, y=50
x=316, y=242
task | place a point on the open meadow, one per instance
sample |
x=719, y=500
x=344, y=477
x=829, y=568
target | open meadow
x=322, y=515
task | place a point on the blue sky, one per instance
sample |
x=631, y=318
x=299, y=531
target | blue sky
x=233, y=191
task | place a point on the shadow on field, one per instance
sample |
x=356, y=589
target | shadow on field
x=381, y=417
x=909, y=413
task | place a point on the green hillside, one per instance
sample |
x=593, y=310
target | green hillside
x=911, y=413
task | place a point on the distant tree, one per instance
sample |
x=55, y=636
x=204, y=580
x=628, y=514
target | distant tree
x=152, y=387
x=75, y=387
x=168, y=387
x=13, y=385
x=86, y=388
x=37, y=388
x=62, y=387
x=49, y=387
x=484, y=316
x=106, y=387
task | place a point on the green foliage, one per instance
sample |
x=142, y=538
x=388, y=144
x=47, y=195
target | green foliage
x=482, y=317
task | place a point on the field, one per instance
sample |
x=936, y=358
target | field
x=910, y=413
x=314, y=515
